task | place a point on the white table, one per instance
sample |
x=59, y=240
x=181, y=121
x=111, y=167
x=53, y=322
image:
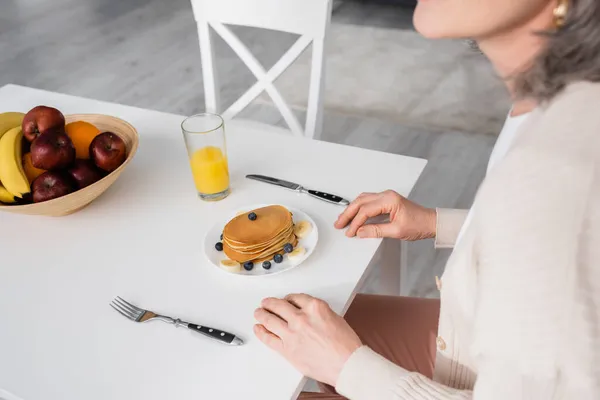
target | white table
x=59, y=339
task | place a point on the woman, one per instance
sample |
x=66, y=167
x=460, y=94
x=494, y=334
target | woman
x=520, y=296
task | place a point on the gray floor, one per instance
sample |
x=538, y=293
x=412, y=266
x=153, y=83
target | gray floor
x=145, y=53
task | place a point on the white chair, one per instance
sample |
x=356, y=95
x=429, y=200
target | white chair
x=308, y=18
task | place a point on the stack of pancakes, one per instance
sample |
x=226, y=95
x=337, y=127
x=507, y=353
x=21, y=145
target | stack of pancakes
x=259, y=240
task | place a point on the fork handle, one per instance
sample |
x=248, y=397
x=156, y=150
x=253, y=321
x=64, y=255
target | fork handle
x=216, y=334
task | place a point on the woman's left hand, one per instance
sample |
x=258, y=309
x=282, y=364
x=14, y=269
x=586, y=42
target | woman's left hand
x=307, y=332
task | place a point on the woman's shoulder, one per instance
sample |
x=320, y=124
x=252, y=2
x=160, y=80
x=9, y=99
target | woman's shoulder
x=579, y=99
x=577, y=106
x=568, y=126
x=579, y=93
x=554, y=159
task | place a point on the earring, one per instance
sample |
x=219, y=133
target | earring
x=560, y=13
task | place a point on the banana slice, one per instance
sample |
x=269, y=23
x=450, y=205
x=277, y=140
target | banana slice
x=240, y=213
x=302, y=229
x=297, y=254
x=231, y=266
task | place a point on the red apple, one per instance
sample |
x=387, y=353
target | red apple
x=42, y=119
x=108, y=151
x=51, y=185
x=52, y=150
x=84, y=173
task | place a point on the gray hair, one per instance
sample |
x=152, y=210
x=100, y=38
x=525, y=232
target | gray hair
x=571, y=54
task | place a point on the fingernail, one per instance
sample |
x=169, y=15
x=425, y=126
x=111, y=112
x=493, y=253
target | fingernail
x=361, y=233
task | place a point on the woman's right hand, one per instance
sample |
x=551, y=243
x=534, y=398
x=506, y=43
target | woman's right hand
x=408, y=220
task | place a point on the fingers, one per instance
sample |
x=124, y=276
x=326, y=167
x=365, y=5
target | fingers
x=268, y=338
x=377, y=231
x=350, y=211
x=365, y=212
x=300, y=300
x=271, y=322
x=280, y=307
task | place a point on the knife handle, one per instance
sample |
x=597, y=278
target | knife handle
x=216, y=334
x=330, y=198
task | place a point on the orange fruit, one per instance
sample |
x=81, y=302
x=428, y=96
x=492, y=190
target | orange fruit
x=30, y=171
x=81, y=134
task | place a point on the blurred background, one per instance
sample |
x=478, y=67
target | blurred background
x=438, y=100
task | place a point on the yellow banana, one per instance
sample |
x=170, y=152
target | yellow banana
x=9, y=120
x=12, y=174
x=5, y=196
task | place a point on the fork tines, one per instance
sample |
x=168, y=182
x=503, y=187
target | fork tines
x=127, y=309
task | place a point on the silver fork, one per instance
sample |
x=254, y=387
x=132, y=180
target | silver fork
x=137, y=314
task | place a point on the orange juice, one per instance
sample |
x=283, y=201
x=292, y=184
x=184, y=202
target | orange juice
x=209, y=168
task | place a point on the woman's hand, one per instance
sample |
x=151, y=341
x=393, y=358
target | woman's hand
x=304, y=330
x=408, y=220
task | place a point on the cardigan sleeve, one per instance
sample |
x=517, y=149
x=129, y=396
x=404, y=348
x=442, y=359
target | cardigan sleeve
x=448, y=225
x=367, y=376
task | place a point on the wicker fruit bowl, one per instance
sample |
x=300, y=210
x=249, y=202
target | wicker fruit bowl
x=77, y=200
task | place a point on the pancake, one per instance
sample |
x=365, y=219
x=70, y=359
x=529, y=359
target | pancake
x=271, y=221
x=257, y=248
x=282, y=240
x=265, y=255
x=259, y=240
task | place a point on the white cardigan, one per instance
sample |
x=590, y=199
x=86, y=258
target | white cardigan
x=520, y=297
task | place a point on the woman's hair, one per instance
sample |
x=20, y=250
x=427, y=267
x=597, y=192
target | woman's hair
x=572, y=54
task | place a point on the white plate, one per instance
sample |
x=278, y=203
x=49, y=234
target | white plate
x=214, y=235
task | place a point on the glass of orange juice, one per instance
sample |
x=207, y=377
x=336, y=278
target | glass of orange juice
x=204, y=136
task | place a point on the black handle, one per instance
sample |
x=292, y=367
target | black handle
x=332, y=198
x=216, y=334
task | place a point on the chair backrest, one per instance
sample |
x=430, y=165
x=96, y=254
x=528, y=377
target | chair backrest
x=308, y=18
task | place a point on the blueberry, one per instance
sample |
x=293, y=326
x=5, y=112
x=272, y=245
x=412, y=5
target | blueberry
x=288, y=248
x=248, y=265
x=252, y=216
x=221, y=236
x=278, y=258
x=219, y=246
x=267, y=265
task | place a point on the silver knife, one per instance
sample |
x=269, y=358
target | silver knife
x=328, y=197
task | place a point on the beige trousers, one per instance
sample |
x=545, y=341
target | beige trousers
x=402, y=329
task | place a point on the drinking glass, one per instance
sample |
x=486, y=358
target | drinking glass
x=204, y=136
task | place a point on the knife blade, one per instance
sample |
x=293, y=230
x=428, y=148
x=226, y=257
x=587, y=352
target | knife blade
x=328, y=197
x=274, y=181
